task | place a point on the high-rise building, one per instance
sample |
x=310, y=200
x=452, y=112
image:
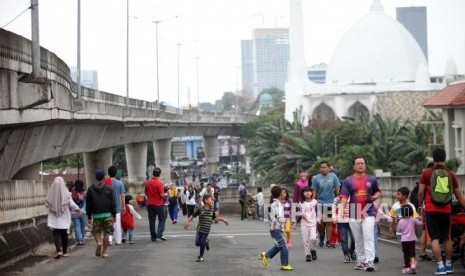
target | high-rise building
x=317, y=73
x=247, y=67
x=89, y=78
x=270, y=57
x=414, y=20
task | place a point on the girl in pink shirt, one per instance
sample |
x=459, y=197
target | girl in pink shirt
x=406, y=228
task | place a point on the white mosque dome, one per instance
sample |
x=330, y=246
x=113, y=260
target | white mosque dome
x=377, y=49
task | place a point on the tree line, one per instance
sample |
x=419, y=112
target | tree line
x=279, y=149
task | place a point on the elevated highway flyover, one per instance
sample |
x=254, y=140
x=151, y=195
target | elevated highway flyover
x=43, y=118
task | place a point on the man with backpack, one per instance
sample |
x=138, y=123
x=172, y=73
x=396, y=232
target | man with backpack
x=437, y=185
x=242, y=198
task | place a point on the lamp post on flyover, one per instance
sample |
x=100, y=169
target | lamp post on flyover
x=156, y=55
x=198, y=89
x=78, y=73
x=127, y=54
x=177, y=110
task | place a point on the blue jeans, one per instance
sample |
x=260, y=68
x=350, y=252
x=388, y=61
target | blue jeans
x=79, y=226
x=200, y=240
x=130, y=233
x=279, y=245
x=173, y=211
x=345, y=232
x=216, y=205
x=154, y=212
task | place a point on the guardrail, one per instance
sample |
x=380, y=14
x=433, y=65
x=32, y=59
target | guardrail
x=22, y=199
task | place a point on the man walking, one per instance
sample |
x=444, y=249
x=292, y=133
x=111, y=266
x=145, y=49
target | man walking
x=242, y=198
x=101, y=212
x=155, y=193
x=363, y=190
x=437, y=215
x=325, y=186
x=119, y=193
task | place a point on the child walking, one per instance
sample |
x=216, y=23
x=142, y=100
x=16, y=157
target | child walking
x=341, y=217
x=206, y=215
x=127, y=219
x=406, y=229
x=310, y=218
x=276, y=220
x=395, y=212
x=288, y=216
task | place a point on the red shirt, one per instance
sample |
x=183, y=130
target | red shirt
x=154, y=190
x=107, y=181
x=360, y=191
x=127, y=219
x=425, y=179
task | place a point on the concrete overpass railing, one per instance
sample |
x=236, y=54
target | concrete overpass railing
x=58, y=91
x=22, y=199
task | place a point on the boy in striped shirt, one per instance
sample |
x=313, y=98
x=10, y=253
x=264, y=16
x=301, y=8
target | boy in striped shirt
x=206, y=215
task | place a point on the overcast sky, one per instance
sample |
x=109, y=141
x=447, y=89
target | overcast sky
x=208, y=29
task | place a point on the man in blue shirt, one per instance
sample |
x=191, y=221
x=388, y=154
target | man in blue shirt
x=119, y=193
x=325, y=186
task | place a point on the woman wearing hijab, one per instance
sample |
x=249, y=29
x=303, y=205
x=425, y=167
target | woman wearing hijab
x=59, y=205
x=298, y=187
x=303, y=182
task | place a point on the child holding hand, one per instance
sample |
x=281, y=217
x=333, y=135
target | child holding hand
x=406, y=228
x=310, y=218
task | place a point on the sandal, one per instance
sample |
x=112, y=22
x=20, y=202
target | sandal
x=58, y=255
x=98, y=251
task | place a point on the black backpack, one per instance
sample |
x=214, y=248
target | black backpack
x=414, y=196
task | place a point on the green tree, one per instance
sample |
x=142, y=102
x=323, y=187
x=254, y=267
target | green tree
x=412, y=146
x=228, y=100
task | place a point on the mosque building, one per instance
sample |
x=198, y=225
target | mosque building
x=377, y=67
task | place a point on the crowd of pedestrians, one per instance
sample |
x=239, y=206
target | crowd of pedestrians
x=328, y=209
x=348, y=209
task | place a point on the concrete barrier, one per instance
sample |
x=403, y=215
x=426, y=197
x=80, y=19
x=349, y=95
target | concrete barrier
x=18, y=239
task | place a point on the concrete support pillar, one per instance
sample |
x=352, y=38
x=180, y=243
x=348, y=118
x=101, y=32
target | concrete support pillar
x=31, y=172
x=100, y=159
x=162, y=150
x=211, y=153
x=136, y=161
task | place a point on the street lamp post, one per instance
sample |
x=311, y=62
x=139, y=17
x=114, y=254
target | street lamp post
x=237, y=88
x=198, y=90
x=156, y=55
x=177, y=111
x=78, y=73
x=127, y=54
x=35, y=39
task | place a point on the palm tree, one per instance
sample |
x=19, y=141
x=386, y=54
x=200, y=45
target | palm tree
x=263, y=146
x=412, y=145
x=297, y=147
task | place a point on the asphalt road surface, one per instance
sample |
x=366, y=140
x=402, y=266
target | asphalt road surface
x=235, y=250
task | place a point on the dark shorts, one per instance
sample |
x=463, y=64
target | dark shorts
x=104, y=225
x=438, y=225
